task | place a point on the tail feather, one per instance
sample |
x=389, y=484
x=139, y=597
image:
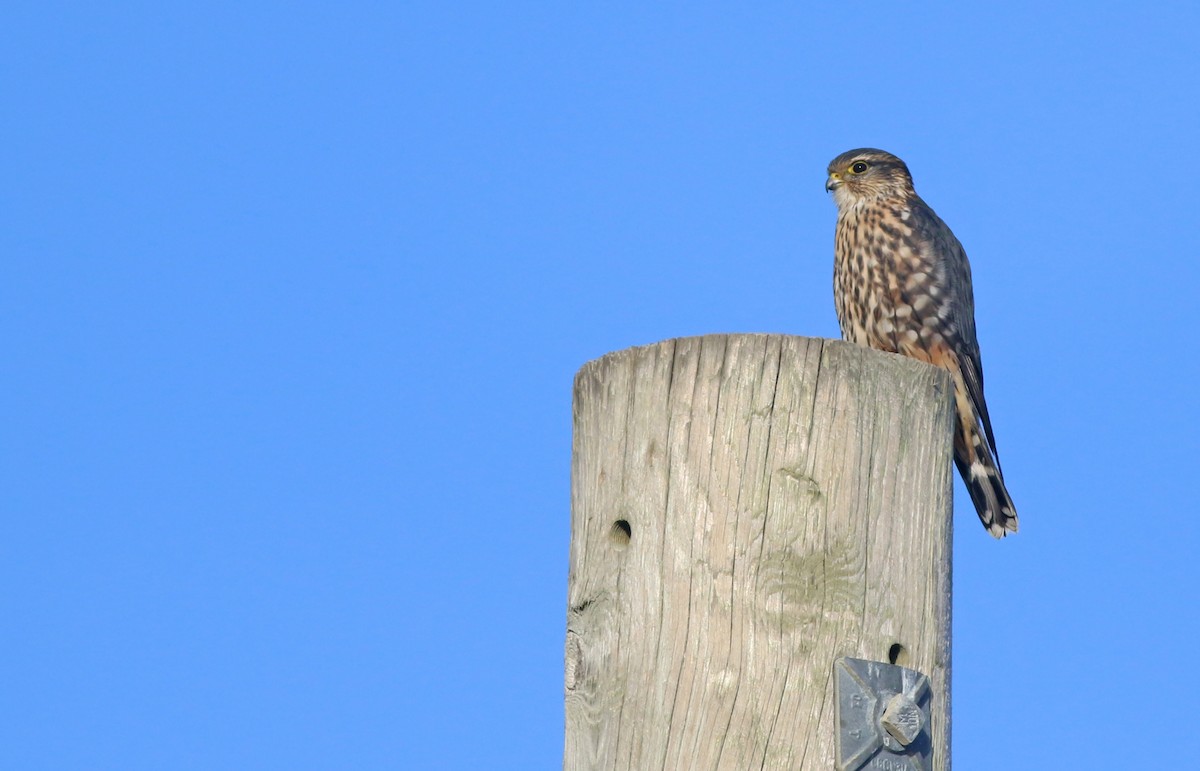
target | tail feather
x=992, y=502
x=974, y=444
x=977, y=461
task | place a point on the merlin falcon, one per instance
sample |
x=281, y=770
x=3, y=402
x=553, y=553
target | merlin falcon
x=902, y=284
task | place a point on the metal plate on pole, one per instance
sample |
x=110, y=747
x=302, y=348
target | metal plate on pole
x=882, y=716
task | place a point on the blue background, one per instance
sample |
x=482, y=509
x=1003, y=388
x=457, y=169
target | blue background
x=293, y=295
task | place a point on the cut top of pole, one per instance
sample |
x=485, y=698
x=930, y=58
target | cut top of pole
x=746, y=509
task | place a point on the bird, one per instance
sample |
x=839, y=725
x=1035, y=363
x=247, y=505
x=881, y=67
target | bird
x=902, y=284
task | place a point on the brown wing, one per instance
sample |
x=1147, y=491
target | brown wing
x=950, y=313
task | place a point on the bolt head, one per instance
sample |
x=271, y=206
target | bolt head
x=903, y=719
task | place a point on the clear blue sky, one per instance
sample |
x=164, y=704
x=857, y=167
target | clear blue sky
x=293, y=295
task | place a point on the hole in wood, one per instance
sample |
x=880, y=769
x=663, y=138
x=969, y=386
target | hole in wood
x=898, y=654
x=621, y=533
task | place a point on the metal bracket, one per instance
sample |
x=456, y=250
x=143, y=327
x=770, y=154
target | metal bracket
x=882, y=716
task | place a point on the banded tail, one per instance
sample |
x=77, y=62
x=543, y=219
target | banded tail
x=981, y=472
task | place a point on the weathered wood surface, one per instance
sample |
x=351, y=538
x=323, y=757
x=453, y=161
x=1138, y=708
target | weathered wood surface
x=744, y=510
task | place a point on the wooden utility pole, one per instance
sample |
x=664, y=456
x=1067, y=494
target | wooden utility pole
x=745, y=509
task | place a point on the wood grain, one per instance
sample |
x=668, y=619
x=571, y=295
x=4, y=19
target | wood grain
x=744, y=510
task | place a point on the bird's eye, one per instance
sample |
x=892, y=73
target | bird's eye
x=859, y=167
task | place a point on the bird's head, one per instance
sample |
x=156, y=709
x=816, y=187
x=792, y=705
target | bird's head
x=864, y=174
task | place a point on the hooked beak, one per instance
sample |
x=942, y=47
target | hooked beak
x=834, y=181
